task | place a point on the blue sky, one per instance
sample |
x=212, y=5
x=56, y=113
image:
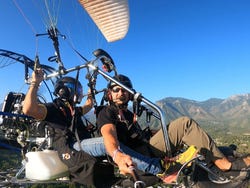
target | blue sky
x=195, y=49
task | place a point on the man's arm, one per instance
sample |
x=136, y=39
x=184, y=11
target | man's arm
x=31, y=107
x=111, y=143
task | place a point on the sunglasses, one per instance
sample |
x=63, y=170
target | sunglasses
x=116, y=90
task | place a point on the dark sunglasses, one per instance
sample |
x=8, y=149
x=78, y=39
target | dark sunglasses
x=116, y=90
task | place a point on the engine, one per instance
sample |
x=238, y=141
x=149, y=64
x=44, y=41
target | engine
x=17, y=127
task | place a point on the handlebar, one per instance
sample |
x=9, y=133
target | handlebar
x=137, y=182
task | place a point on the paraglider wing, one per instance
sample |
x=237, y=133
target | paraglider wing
x=110, y=16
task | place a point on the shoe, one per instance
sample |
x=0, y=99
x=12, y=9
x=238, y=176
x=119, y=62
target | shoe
x=168, y=178
x=174, y=164
x=188, y=155
x=182, y=158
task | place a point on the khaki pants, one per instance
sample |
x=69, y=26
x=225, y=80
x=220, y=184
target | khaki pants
x=186, y=131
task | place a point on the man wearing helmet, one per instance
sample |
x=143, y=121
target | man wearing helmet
x=67, y=88
x=116, y=124
x=63, y=118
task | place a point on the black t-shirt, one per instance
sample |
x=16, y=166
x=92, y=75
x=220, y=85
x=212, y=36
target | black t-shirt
x=125, y=127
x=59, y=116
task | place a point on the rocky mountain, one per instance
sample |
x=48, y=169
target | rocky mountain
x=233, y=111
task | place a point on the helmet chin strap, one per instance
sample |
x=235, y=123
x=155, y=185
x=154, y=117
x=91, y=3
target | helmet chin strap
x=66, y=100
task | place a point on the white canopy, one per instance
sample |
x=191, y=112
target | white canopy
x=110, y=16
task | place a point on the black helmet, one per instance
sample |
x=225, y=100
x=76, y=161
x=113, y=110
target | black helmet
x=65, y=89
x=123, y=79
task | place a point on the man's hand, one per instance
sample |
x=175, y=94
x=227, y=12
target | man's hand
x=124, y=163
x=37, y=76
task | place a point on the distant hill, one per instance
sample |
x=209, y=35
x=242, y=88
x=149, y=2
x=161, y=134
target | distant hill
x=233, y=112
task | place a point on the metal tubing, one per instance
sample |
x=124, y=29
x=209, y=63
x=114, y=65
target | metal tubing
x=63, y=72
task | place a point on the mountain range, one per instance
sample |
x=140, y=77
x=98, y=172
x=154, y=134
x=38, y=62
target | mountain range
x=233, y=112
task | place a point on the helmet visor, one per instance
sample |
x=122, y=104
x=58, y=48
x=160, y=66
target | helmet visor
x=79, y=90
